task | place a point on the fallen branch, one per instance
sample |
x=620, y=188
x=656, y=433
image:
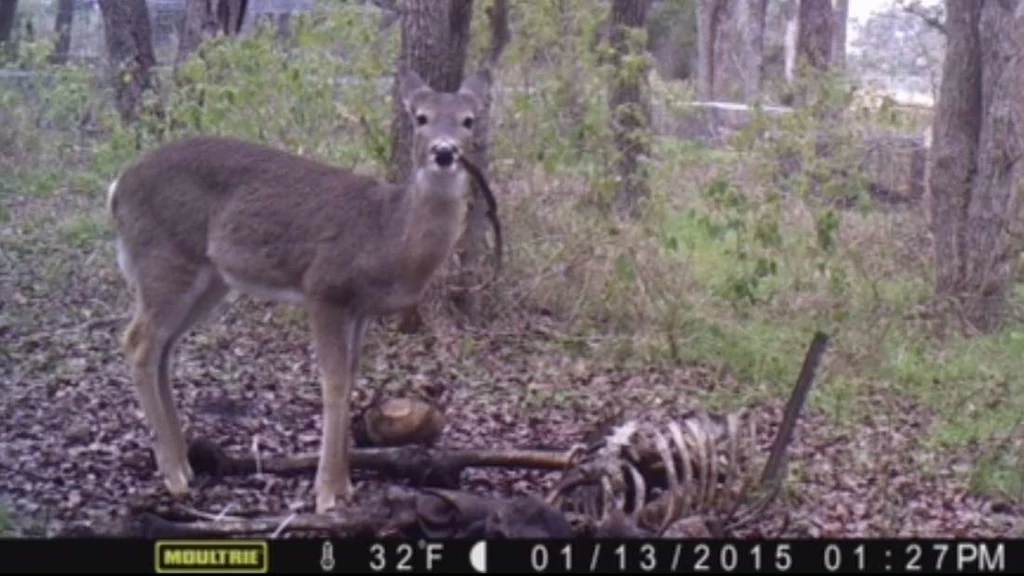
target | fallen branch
x=777, y=464
x=397, y=512
x=428, y=466
x=150, y=525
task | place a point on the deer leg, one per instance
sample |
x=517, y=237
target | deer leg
x=141, y=345
x=168, y=290
x=334, y=331
x=355, y=349
x=215, y=290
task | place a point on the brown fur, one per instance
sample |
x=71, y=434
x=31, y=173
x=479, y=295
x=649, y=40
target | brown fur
x=202, y=216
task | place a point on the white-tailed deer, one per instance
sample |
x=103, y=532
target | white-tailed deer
x=200, y=217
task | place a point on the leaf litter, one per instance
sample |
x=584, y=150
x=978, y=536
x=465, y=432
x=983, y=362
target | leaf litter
x=74, y=449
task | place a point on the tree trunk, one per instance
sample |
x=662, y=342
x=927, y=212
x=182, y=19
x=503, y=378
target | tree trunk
x=708, y=21
x=129, y=42
x=957, y=123
x=789, y=43
x=62, y=28
x=840, y=16
x=674, y=49
x=471, y=245
x=433, y=42
x=208, y=18
x=8, y=9
x=988, y=280
x=751, y=21
x=630, y=107
x=814, y=37
x=977, y=152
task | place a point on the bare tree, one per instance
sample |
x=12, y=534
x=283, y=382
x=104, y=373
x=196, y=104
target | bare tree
x=63, y=22
x=8, y=9
x=128, y=36
x=709, y=20
x=977, y=152
x=814, y=36
x=751, y=23
x=840, y=18
x=208, y=18
x=791, y=14
x=672, y=40
x=930, y=15
x=730, y=46
x=629, y=102
x=471, y=246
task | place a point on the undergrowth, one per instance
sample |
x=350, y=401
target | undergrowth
x=743, y=252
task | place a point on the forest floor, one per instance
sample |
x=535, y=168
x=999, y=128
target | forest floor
x=75, y=446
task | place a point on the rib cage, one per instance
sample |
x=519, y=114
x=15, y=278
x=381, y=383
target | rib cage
x=658, y=473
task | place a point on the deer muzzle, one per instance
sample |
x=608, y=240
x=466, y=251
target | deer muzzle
x=445, y=154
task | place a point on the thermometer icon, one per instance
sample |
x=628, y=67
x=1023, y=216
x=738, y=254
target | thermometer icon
x=327, y=557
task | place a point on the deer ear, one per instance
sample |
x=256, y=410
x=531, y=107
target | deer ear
x=477, y=85
x=410, y=87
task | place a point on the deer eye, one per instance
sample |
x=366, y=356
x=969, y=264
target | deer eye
x=467, y=122
x=421, y=119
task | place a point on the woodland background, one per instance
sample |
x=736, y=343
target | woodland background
x=689, y=189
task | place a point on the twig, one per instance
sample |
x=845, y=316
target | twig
x=256, y=453
x=157, y=527
x=286, y=522
x=915, y=9
x=221, y=516
x=776, y=458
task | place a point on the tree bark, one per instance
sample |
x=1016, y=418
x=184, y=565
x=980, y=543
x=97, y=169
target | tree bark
x=630, y=107
x=208, y=18
x=8, y=9
x=708, y=22
x=957, y=123
x=128, y=37
x=977, y=154
x=814, y=38
x=62, y=28
x=752, y=21
x=434, y=39
x=471, y=245
x=988, y=277
x=791, y=10
x=840, y=16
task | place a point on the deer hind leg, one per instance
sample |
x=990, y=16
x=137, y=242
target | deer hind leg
x=214, y=292
x=172, y=294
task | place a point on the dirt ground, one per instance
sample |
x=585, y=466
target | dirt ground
x=74, y=448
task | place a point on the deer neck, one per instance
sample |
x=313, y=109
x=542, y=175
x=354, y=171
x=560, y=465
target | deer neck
x=435, y=206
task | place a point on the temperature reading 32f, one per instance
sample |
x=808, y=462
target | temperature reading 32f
x=404, y=556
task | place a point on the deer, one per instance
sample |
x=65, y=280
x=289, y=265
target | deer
x=199, y=218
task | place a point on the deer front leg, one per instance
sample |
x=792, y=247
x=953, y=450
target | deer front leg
x=334, y=331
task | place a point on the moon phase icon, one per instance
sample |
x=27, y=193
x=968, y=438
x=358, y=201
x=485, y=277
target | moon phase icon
x=478, y=556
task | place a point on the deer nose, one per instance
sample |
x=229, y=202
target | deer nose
x=444, y=153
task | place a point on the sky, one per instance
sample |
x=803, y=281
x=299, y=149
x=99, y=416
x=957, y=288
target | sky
x=861, y=9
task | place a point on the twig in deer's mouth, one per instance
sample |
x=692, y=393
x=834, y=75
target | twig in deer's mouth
x=492, y=209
